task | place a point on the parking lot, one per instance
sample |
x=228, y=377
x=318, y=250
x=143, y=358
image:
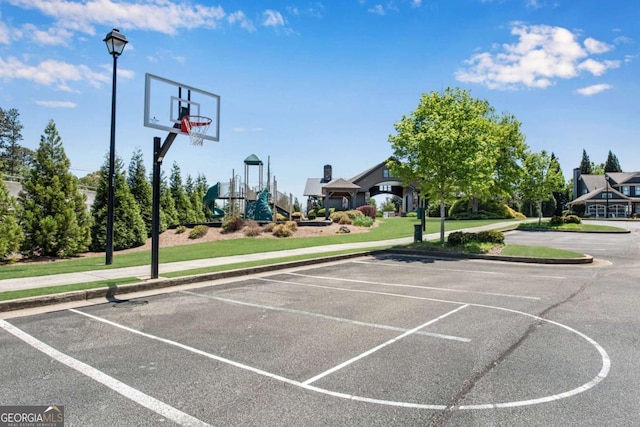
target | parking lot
x=378, y=340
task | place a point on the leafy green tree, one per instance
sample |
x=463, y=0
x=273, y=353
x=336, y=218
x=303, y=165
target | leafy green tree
x=202, y=187
x=585, y=164
x=128, y=227
x=53, y=212
x=597, y=169
x=11, y=235
x=186, y=213
x=612, y=164
x=446, y=147
x=510, y=153
x=10, y=137
x=90, y=180
x=540, y=178
x=560, y=196
x=141, y=188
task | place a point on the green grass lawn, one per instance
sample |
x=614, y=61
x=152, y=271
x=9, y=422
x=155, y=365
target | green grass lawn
x=538, y=252
x=389, y=228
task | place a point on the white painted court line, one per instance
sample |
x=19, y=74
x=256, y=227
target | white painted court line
x=129, y=392
x=399, y=285
x=324, y=316
x=604, y=371
x=456, y=270
x=381, y=346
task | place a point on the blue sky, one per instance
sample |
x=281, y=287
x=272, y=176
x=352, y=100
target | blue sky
x=309, y=83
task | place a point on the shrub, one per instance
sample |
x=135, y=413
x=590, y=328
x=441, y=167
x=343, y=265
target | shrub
x=363, y=221
x=291, y=225
x=297, y=216
x=556, y=221
x=281, y=230
x=252, y=229
x=354, y=213
x=198, y=231
x=413, y=214
x=268, y=228
x=459, y=238
x=368, y=210
x=232, y=224
x=341, y=217
x=280, y=217
x=180, y=229
x=490, y=236
x=311, y=215
x=572, y=219
x=579, y=208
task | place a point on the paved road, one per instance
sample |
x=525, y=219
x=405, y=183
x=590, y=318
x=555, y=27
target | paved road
x=385, y=340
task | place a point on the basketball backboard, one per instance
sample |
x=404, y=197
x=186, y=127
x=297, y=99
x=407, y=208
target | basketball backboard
x=166, y=102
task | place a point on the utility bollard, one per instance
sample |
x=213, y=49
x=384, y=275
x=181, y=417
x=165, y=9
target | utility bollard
x=417, y=232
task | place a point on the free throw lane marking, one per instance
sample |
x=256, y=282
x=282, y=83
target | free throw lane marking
x=324, y=316
x=381, y=346
x=398, y=285
x=129, y=392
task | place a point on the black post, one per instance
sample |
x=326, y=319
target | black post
x=112, y=156
x=606, y=209
x=155, y=209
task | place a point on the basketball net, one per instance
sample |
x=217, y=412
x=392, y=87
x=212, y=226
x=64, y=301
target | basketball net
x=196, y=127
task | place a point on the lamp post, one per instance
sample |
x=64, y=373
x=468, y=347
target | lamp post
x=606, y=208
x=115, y=45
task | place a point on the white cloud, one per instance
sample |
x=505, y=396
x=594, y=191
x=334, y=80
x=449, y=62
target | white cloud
x=56, y=104
x=541, y=55
x=416, y=3
x=594, y=89
x=4, y=33
x=54, y=73
x=240, y=17
x=156, y=15
x=52, y=37
x=272, y=18
x=377, y=9
x=597, y=68
x=595, y=46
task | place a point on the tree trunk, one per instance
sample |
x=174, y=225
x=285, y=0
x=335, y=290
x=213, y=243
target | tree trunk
x=474, y=205
x=540, y=212
x=441, y=221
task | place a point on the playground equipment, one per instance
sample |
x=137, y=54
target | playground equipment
x=260, y=203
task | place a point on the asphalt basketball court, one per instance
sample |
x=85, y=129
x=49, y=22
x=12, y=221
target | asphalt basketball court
x=371, y=341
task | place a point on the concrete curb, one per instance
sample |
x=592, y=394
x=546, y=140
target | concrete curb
x=161, y=283
x=108, y=292
x=587, y=259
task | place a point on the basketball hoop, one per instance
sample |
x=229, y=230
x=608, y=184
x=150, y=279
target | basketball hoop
x=196, y=127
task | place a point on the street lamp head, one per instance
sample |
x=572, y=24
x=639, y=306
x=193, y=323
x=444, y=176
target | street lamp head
x=115, y=41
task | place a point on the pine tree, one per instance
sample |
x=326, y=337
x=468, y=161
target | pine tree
x=612, y=164
x=11, y=235
x=202, y=187
x=141, y=188
x=128, y=227
x=53, y=212
x=186, y=214
x=10, y=137
x=196, y=196
x=585, y=164
x=168, y=212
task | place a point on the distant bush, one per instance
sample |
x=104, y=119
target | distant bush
x=579, y=208
x=413, y=214
x=487, y=209
x=297, y=216
x=311, y=215
x=180, y=229
x=232, y=224
x=268, y=228
x=572, y=219
x=281, y=230
x=368, y=210
x=555, y=221
x=280, y=217
x=341, y=217
x=198, y=231
x=291, y=225
x=363, y=221
x=460, y=238
x=252, y=229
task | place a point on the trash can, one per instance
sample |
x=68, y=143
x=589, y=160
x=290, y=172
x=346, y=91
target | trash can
x=417, y=232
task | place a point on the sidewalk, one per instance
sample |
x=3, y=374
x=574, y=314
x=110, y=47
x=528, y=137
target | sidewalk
x=143, y=272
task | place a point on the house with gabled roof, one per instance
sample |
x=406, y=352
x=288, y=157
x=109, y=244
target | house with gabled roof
x=351, y=193
x=612, y=195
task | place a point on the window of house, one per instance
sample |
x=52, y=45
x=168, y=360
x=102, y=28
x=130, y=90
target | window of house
x=625, y=190
x=385, y=173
